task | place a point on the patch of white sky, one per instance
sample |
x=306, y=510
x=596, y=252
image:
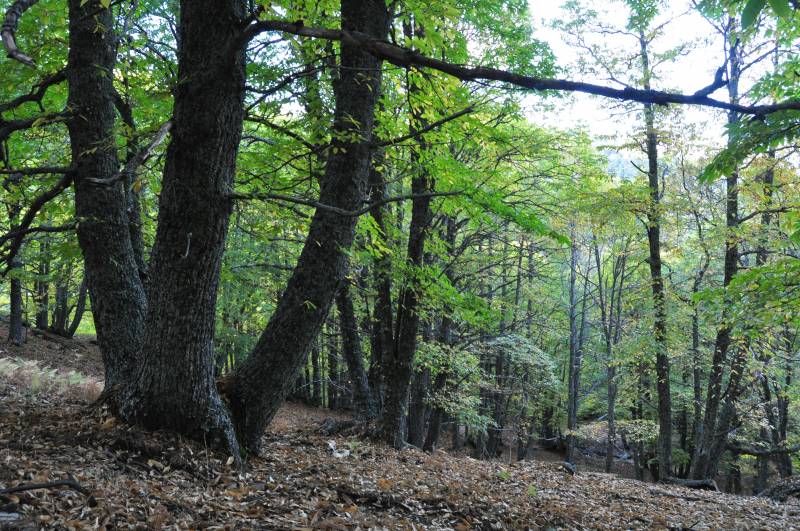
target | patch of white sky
x=607, y=121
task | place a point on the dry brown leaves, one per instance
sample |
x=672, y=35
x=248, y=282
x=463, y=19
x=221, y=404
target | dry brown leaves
x=157, y=480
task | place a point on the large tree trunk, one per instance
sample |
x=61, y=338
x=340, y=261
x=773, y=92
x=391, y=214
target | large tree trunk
x=261, y=383
x=117, y=295
x=176, y=386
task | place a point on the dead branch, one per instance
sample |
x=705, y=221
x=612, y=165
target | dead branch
x=136, y=161
x=70, y=482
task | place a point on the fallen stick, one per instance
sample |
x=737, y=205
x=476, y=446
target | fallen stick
x=70, y=482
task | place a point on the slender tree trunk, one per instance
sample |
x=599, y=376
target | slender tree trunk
x=80, y=309
x=16, y=331
x=399, y=361
x=42, y=285
x=59, y=322
x=363, y=399
x=714, y=432
x=656, y=279
x=260, y=384
x=575, y=354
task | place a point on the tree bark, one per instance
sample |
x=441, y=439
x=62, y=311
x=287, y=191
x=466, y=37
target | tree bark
x=175, y=387
x=117, y=295
x=261, y=383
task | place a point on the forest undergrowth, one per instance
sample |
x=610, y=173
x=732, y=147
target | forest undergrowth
x=304, y=479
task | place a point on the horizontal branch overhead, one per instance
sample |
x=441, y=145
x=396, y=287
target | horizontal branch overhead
x=405, y=57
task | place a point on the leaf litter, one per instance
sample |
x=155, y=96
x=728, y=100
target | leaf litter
x=307, y=480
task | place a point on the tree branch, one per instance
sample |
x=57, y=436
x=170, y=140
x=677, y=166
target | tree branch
x=406, y=57
x=756, y=452
x=141, y=156
x=36, y=171
x=37, y=93
x=427, y=128
x=70, y=482
x=337, y=210
x=777, y=210
x=16, y=237
x=6, y=128
x=9, y=27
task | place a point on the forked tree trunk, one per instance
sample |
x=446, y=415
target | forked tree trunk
x=261, y=383
x=399, y=359
x=175, y=387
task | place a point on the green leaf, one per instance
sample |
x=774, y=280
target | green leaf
x=751, y=11
x=781, y=8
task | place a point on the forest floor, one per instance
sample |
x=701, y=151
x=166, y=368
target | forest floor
x=303, y=480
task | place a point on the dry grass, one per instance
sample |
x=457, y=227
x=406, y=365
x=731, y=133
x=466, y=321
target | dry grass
x=29, y=377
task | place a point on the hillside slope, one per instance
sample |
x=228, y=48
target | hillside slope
x=305, y=480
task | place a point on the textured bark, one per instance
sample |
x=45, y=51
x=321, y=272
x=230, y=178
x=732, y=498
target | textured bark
x=16, y=333
x=176, y=387
x=116, y=292
x=261, y=383
x=364, y=402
